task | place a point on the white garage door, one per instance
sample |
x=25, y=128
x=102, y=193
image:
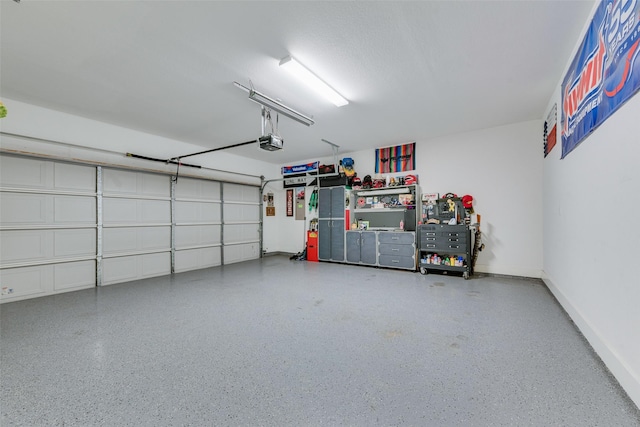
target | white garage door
x=241, y=219
x=66, y=227
x=198, y=224
x=136, y=217
x=47, y=227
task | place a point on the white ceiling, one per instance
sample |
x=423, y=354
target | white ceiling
x=411, y=70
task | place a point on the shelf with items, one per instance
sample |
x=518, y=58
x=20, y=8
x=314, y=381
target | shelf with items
x=387, y=209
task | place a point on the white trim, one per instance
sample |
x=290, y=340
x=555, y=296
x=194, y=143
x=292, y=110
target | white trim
x=629, y=380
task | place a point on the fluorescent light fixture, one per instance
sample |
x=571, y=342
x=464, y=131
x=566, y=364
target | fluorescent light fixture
x=314, y=82
x=274, y=105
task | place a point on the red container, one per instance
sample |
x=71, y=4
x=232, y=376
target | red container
x=312, y=246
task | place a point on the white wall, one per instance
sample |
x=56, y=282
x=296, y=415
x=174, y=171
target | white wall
x=591, y=239
x=502, y=169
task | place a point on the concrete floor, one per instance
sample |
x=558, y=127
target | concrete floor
x=278, y=342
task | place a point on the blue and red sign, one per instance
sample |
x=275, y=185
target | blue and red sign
x=604, y=73
x=307, y=167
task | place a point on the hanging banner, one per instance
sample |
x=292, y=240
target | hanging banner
x=400, y=158
x=604, y=73
x=307, y=167
x=550, y=126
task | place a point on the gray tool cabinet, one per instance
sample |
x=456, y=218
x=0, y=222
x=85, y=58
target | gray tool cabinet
x=445, y=247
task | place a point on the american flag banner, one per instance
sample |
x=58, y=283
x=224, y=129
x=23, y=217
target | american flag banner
x=400, y=158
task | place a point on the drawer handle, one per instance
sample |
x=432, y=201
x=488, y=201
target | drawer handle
x=395, y=249
x=395, y=261
x=453, y=240
x=431, y=246
x=395, y=238
x=430, y=234
x=454, y=246
x=430, y=239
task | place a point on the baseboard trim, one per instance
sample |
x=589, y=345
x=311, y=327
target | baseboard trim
x=621, y=372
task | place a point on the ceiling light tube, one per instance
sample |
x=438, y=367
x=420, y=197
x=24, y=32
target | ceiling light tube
x=314, y=82
x=274, y=105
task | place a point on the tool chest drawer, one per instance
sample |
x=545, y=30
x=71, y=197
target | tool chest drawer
x=397, y=261
x=391, y=249
x=397, y=249
x=401, y=237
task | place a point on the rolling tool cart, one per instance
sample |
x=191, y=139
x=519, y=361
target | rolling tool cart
x=446, y=248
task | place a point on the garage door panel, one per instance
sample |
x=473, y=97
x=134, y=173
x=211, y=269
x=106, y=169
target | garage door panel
x=128, y=268
x=241, y=212
x=241, y=233
x=197, y=189
x=120, y=182
x=155, y=264
x=192, y=259
x=68, y=243
x=241, y=193
x=74, y=177
x=154, y=211
x=131, y=211
x=194, y=235
x=117, y=270
x=73, y=209
x=27, y=281
x=24, y=245
x=119, y=211
x=239, y=253
x=152, y=238
x=74, y=275
x=23, y=173
x=154, y=185
x=197, y=212
x=135, y=183
x=117, y=240
x=16, y=209
x=135, y=239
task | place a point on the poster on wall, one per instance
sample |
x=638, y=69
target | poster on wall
x=300, y=211
x=290, y=202
x=550, y=126
x=400, y=158
x=605, y=72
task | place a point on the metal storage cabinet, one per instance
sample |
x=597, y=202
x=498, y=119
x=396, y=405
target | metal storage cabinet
x=361, y=247
x=397, y=250
x=444, y=241
x=331, y=223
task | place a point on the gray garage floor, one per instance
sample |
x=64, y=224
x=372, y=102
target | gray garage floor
x=279, y=342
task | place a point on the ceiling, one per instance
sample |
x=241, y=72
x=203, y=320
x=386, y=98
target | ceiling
x=412, y=71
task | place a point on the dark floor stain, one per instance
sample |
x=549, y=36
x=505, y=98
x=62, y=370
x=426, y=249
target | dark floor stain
x=318, y=302
x=454, y=345
x=438, y=284
x=462, y=337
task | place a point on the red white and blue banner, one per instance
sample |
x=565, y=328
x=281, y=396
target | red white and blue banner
x=400, y=158
x=605, y=72
x=307, y=167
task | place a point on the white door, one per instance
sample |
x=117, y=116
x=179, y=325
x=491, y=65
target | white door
x=198, y=224
x=241, y=218
x=47, y=227
x=136, y=240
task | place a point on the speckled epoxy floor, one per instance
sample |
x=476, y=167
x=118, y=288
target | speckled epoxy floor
x=277, y=342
